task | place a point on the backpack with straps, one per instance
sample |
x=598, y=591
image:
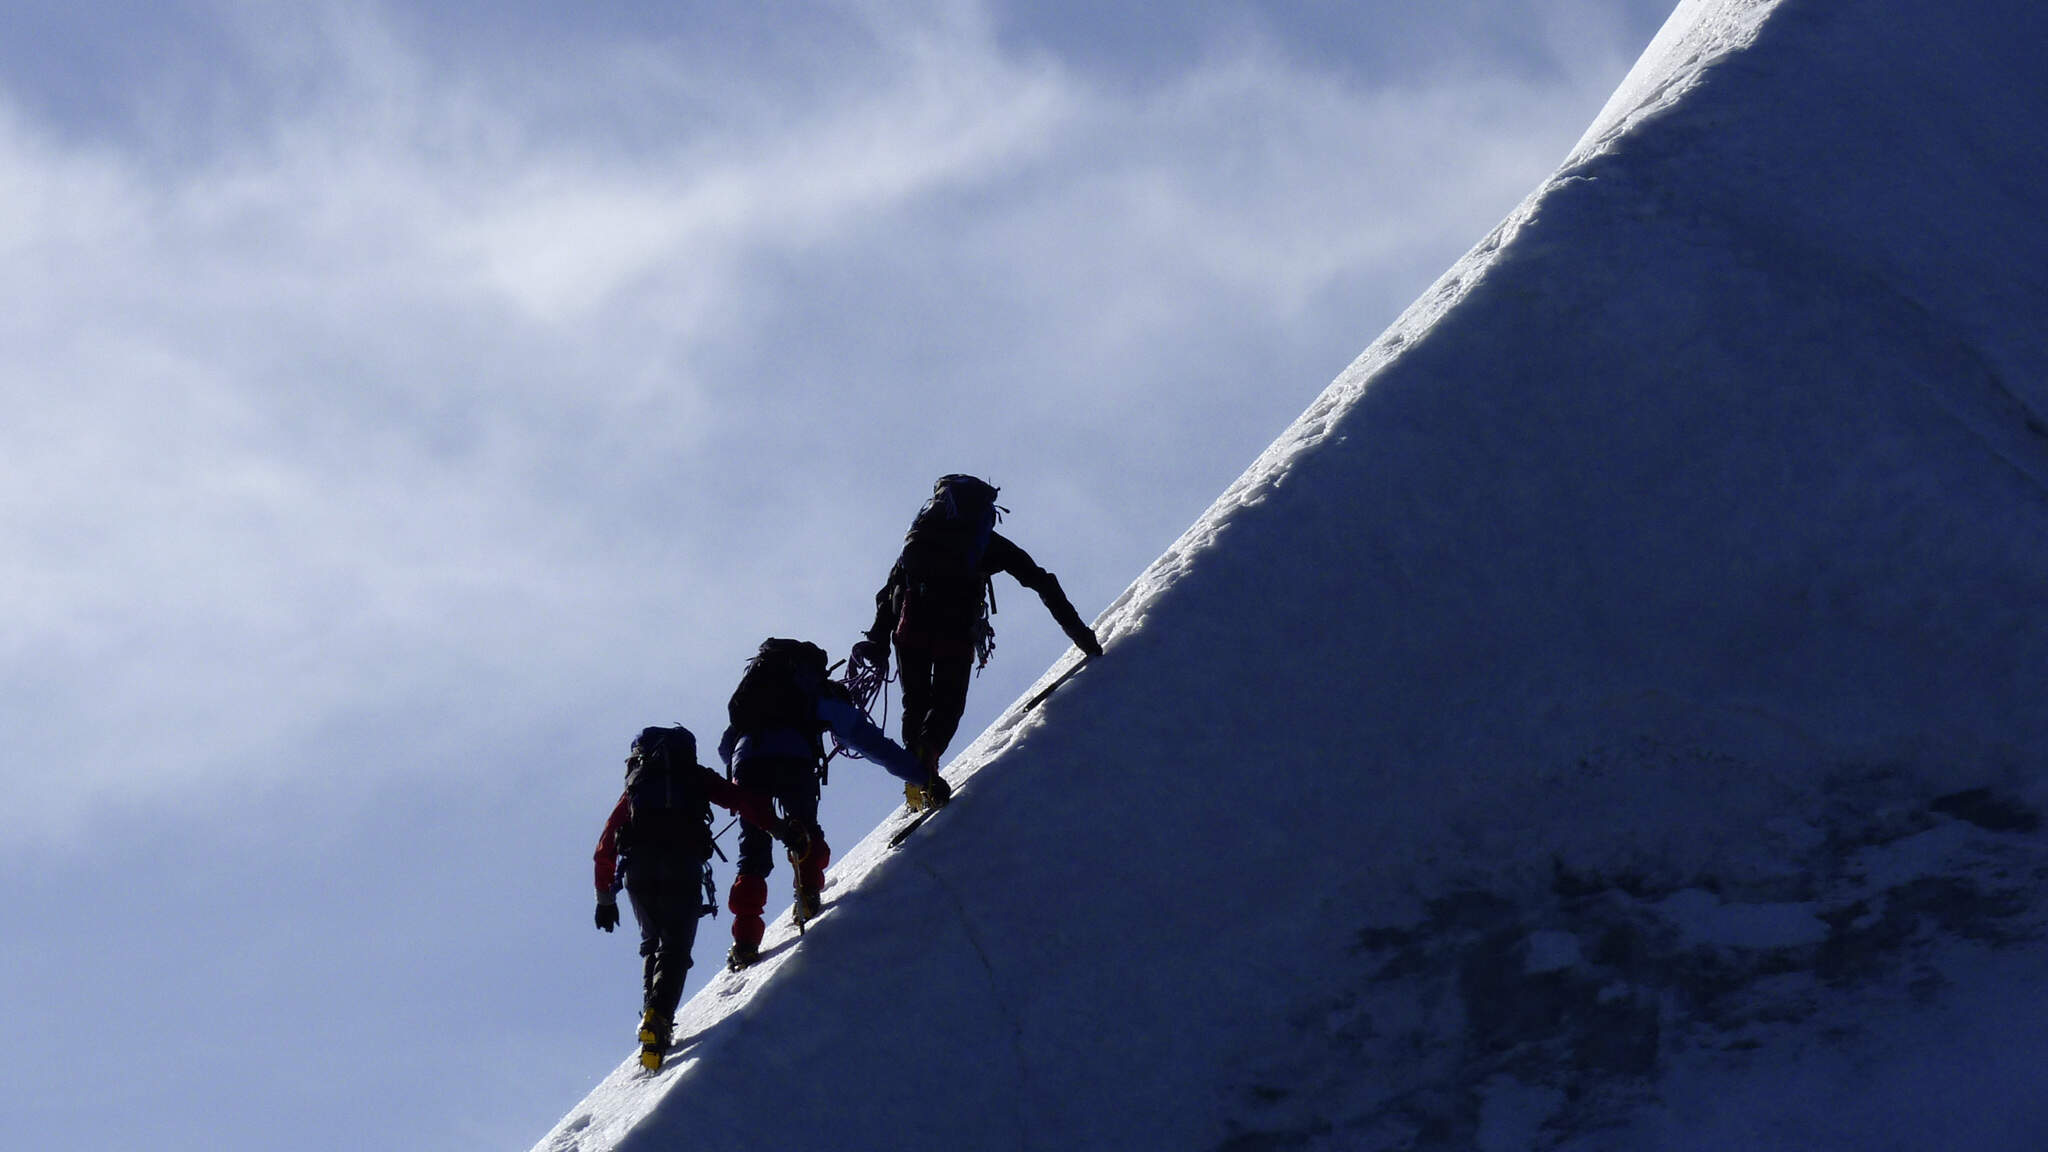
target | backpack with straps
x=669, y=821
x=779, y=690
x=942, y=594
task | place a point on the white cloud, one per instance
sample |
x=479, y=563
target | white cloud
x=397, y=381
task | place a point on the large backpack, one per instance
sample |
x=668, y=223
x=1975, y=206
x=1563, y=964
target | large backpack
x=670, y=816
x=780, y=690
x=943, y=596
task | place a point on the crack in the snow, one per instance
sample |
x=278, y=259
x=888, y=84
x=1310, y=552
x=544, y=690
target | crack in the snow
x=995, y=995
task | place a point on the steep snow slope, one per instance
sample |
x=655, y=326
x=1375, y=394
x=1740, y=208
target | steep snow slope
x=1610, y=717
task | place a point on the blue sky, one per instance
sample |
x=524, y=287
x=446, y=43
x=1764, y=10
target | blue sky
x=406, y=404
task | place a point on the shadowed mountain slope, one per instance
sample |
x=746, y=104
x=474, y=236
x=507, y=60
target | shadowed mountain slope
x=1613, y=712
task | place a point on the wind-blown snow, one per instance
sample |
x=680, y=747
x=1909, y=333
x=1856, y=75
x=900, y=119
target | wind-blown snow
x=1610, y=717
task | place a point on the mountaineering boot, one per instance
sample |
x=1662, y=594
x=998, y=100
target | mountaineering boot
x=919, y=796
x=654, y=1033
x=808, y=857
x=932, y=794
x=807, y=905
x=748, y=900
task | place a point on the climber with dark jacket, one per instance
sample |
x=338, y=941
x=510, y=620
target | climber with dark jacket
x=774, y=746
x=657, y=845
x=936, y=605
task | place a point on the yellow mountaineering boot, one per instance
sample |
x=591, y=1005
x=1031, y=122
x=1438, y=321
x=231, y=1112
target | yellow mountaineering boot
x=933, y=792
x=654, y=1033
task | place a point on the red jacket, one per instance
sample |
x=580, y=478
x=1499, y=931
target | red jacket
x=752, y=807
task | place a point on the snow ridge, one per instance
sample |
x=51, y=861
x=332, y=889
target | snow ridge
x=1610, y=717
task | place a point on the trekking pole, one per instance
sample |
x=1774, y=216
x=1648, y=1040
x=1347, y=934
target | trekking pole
x=721, y=836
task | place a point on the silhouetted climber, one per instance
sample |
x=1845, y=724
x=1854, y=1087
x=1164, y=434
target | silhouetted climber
x=658, y=845
x=936, y=606
x=774, y=746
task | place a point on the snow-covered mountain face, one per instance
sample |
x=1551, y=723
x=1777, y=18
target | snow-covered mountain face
x=1611, y=717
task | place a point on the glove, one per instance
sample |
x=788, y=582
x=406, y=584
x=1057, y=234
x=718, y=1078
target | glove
x=875, y=652
x=607, y=911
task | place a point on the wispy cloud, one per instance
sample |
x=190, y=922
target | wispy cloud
x=383, y=393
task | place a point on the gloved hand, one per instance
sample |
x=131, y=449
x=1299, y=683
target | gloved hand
x=607, y=911
x=875, y=652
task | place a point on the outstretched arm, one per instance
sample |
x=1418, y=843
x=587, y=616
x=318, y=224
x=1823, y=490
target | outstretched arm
x=750, y=806
x=885, y=608
x=1004, y=556
x=857, y=732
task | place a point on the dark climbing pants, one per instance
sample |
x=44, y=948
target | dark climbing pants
x=667, y=900
x=934, y=680
x=793, y=784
